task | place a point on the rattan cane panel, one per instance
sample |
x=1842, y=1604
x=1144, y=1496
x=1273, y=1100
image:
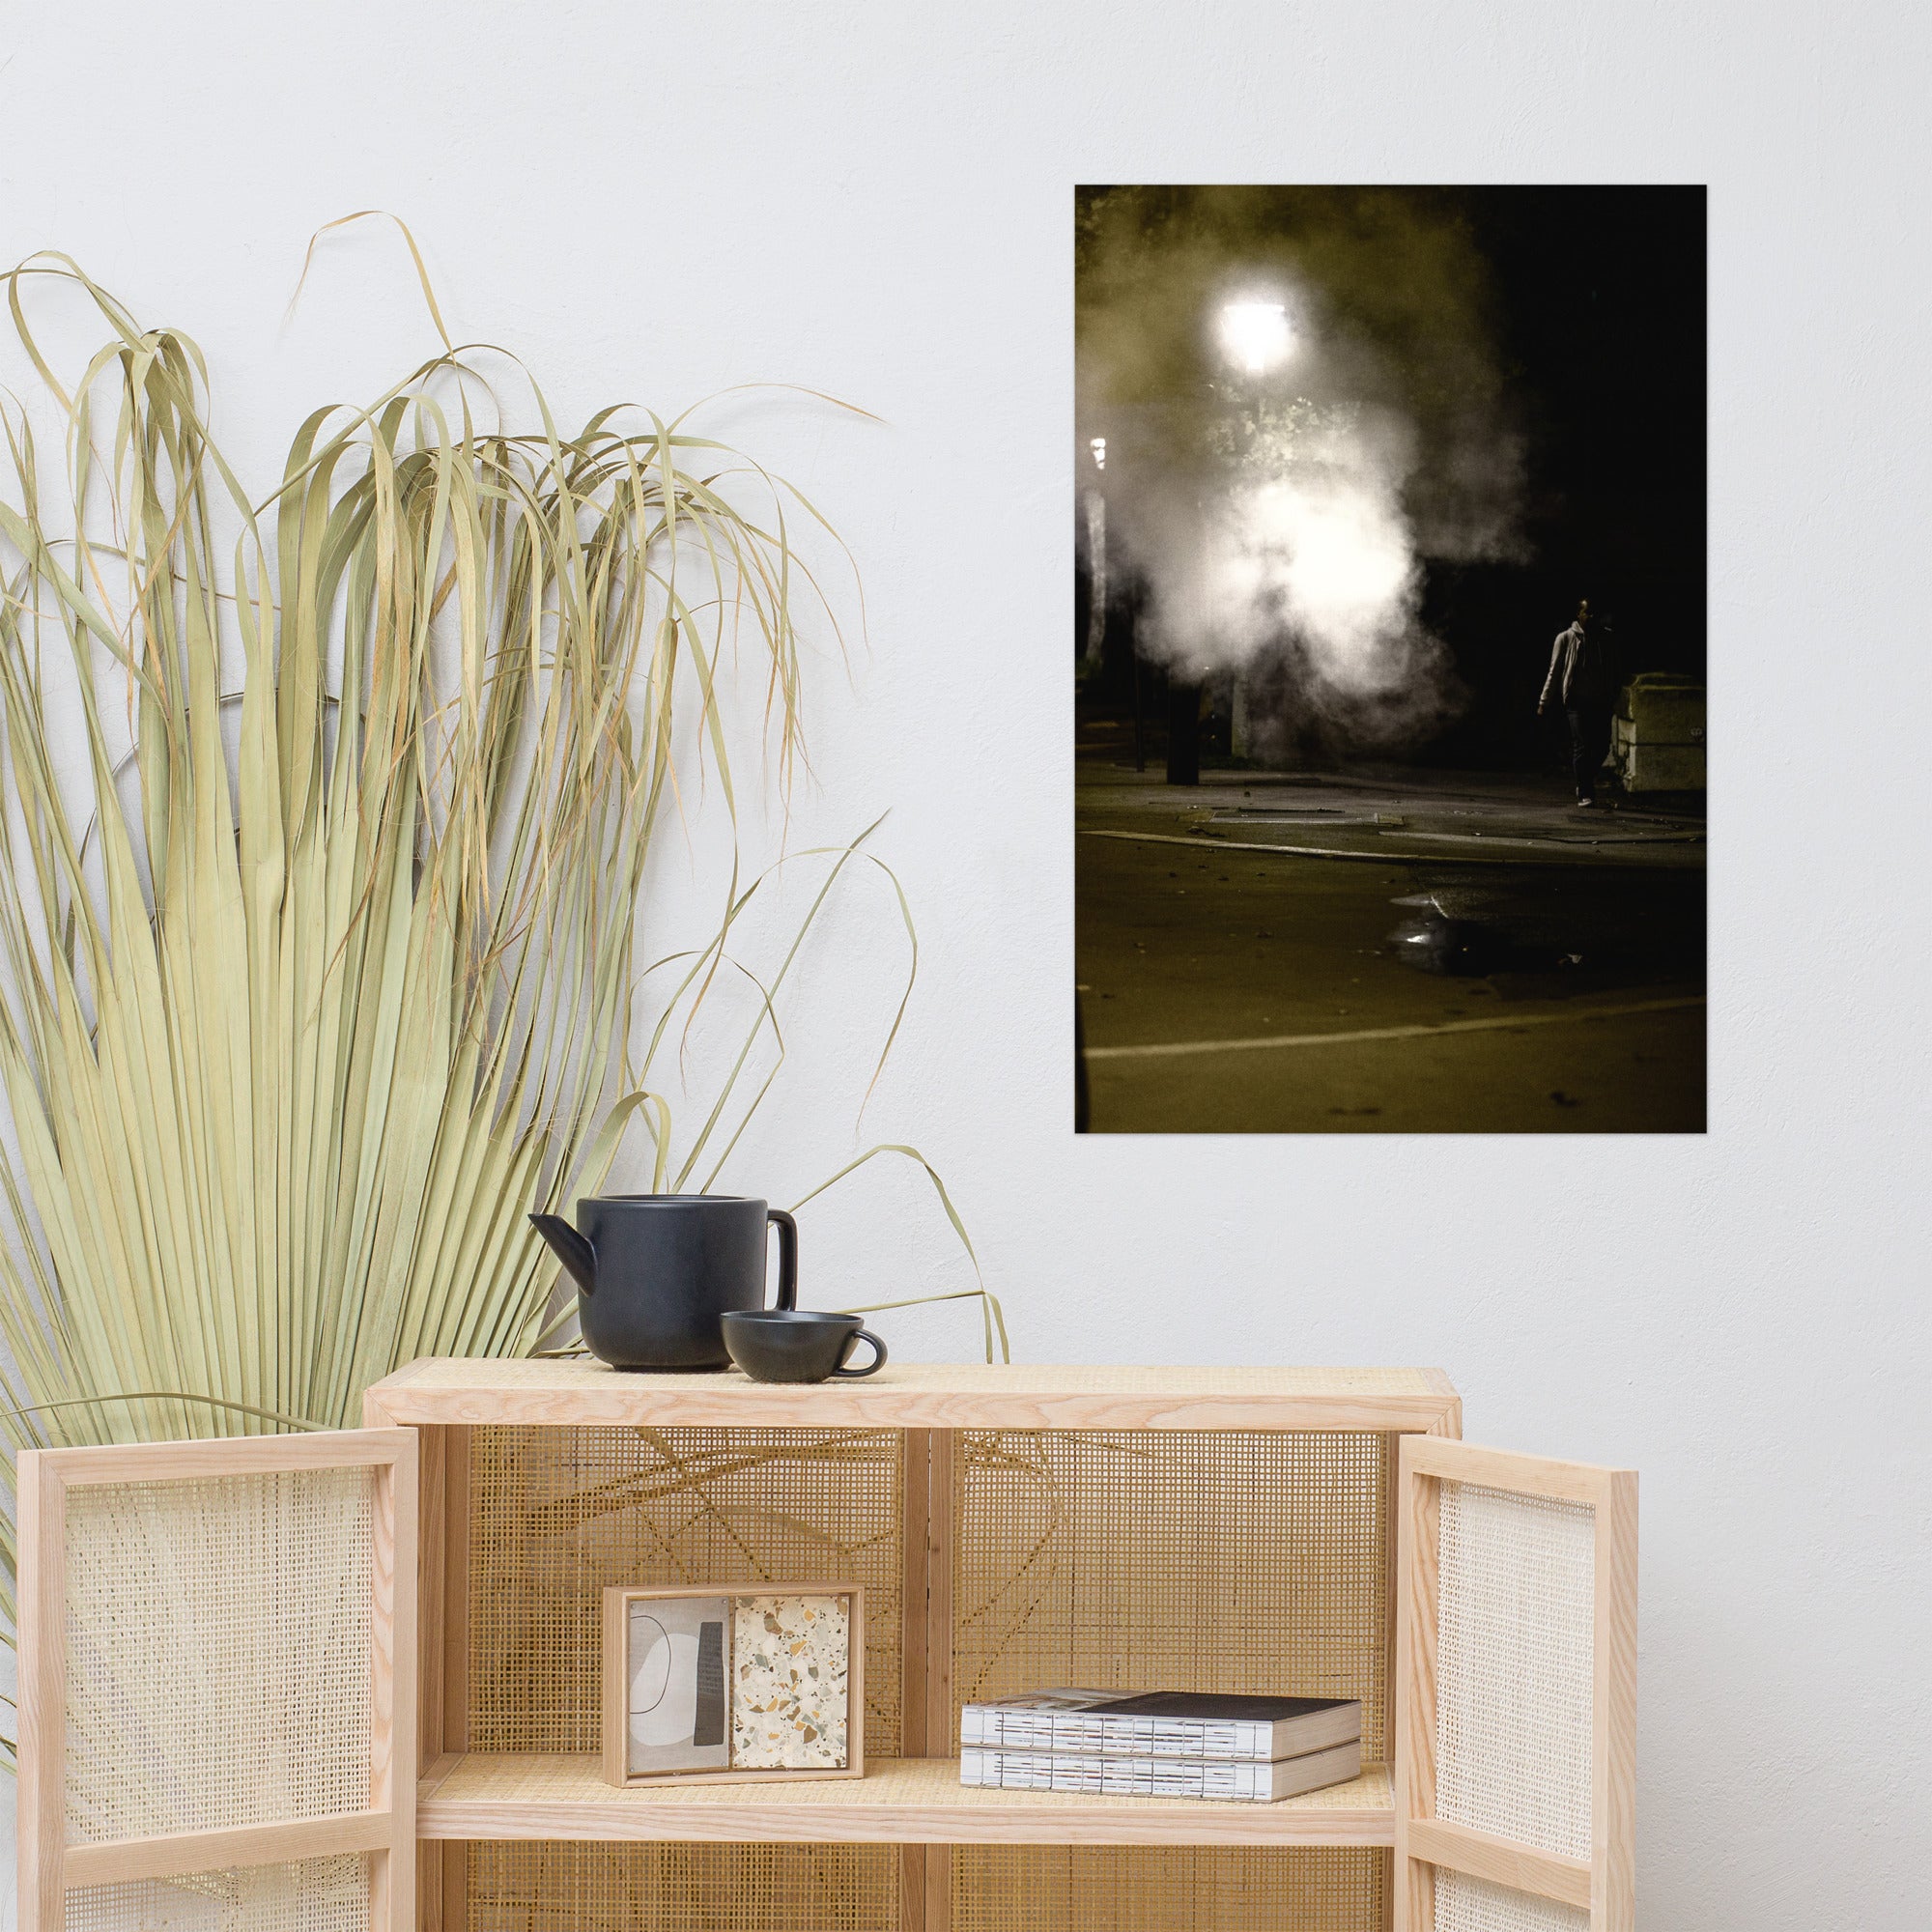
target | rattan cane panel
x=534, y=1885
x=1514, y=1666
x=1110, y=1889
x=559, y=1514
x=1221, y=1560
x=1464, y=1904
x=218, y=1651
x=313, y=1896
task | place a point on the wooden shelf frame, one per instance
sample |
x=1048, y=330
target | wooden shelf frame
x=914, y=1802
x=582, y=1393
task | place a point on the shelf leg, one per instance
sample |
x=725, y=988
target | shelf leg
x=925, y=1683
x=443, y=1687
x=938, y=1887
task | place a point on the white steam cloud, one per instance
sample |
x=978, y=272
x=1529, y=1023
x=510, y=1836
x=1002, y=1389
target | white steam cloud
x=1296, y=553
x=1278, y=470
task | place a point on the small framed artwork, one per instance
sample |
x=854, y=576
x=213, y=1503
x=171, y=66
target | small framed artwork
x=735, y=1682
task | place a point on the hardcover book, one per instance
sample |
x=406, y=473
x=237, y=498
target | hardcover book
x=1232, y=1781
x=1162, y=1724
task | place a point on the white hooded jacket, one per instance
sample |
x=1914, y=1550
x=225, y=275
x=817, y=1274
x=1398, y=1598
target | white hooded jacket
x=1575, y=669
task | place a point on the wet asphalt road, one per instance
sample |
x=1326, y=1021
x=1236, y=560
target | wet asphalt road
x=1575, y=1006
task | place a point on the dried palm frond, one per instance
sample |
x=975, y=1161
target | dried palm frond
x=318, y=973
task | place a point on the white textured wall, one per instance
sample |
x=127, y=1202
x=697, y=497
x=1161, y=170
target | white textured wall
x=874, y=200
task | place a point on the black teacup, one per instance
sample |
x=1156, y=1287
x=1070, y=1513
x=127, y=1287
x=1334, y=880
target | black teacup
x=791, y=1344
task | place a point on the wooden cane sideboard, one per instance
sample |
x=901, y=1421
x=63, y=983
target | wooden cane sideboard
x=1319, y=1530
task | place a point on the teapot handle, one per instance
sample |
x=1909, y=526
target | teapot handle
x=788, y=1258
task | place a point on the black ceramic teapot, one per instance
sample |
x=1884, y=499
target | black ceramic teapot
x=654, y=1272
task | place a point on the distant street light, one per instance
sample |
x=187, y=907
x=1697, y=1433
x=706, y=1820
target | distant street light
x=1254, y=336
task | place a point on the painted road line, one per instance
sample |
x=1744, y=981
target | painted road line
x=1570, y=843
x=1500, y=1024
x=1203, y=843
x=1557, y=855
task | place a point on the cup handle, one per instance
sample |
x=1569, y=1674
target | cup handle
x=872, y=1367
x=787, y=1257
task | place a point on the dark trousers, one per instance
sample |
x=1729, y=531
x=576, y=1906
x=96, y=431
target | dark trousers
x=1589, y=740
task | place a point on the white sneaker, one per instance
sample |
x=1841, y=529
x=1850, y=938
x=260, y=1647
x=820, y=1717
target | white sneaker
x=1587, y=805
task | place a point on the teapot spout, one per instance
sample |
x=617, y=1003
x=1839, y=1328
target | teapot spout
x=570, y=1248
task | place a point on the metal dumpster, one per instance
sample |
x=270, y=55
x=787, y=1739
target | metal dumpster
x=1656, y=735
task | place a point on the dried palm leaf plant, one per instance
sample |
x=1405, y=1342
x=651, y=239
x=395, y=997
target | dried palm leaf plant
x=319, y=970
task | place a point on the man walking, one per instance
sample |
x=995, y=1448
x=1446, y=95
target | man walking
x=1581, y=682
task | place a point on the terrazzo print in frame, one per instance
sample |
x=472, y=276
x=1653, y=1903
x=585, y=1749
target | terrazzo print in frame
x=703, y=1682
x=790, y=1683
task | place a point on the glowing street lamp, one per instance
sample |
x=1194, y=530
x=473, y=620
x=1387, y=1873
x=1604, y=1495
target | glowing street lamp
x=1254, y=336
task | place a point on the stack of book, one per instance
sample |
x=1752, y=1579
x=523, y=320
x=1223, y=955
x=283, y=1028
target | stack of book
x=1164, y=1744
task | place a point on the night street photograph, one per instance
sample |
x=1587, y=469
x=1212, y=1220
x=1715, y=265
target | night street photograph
x=1389, y=658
